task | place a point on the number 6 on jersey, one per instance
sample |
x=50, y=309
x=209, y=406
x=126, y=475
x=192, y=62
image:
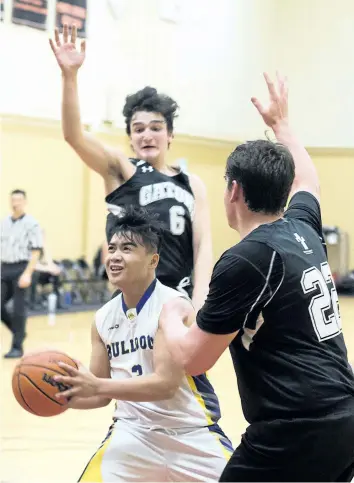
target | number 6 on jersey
x=177, y=221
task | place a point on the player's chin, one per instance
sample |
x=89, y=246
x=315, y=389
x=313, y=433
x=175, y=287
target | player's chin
x=115, y=277
x=150, y=155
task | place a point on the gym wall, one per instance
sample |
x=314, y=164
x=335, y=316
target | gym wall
x=211, y=60
x=68, y=199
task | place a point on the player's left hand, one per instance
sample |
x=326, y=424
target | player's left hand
x=83, y=383
x=25, y=280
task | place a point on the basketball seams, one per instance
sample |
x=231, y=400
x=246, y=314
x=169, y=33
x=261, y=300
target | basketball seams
x=39, y=389
x=22, y=396
x=24, y=364
x=29, y=356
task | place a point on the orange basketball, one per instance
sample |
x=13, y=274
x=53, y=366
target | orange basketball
x=34, y=386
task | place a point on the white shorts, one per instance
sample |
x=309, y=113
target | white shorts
x=133, y=453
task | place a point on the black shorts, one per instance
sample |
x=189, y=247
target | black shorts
x=310, y=449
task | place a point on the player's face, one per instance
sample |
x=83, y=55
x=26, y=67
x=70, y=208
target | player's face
x=18, y=202
x=149, y=136
x=128, y=262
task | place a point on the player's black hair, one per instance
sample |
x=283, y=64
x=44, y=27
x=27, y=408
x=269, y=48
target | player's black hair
x=265, y=170
x=148, y=99
x=139, y=225
x=19, y=192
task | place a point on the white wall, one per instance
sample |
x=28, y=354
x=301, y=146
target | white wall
x=314, y=41
x=211, y=62
x=205, y=61
x=31, y=78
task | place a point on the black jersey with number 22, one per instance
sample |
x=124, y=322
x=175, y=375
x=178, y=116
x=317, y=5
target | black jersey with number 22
x=171, y=197
x=275, y=287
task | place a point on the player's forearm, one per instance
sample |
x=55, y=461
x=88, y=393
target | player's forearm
x=188, y=346
x=305, y=170
x=177, y=335
x=93, y=402
x=137, y=389
x=203, y=267
x=35, y=254
x=71, y=120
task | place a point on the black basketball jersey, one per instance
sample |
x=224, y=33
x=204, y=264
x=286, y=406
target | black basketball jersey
x=275, y=287
x=172, y=198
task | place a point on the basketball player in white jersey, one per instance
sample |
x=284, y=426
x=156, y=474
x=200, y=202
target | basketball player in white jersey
x=165, y=422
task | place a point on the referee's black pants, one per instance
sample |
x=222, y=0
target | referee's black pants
x=15, y=322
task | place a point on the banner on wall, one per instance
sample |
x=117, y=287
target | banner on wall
x=32, y=13
x=72, y=12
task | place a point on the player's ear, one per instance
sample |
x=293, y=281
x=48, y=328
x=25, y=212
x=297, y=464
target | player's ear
x=234, y=191
x=154, y=260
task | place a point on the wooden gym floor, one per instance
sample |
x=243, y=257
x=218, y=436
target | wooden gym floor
x=44, y=450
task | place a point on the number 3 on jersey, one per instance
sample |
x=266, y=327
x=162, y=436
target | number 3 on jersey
x=177, y=221
x=137, y=369
x=324, y=307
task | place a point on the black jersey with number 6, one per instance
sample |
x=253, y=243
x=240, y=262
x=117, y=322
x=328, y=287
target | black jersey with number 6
x=275, y=287
x=172, y=198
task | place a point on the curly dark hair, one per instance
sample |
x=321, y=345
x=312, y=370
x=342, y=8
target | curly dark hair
x=148, y=99
x=140, y=225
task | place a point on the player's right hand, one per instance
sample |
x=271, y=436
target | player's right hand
x=68, y=57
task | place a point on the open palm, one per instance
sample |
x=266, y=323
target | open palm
x=277, y=109
x=68, y=57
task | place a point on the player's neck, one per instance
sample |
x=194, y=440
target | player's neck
x=247, y=225
x=133, y=294
x=168, y=170
x=17, y=214
x=161, y=166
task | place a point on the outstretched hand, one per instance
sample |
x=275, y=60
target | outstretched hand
x=68, y=57
x=277, y=110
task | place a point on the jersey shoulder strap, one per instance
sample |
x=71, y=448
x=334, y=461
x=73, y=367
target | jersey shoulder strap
x=143, y=166
x=107, y=314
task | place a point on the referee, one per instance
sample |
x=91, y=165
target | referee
x=21, y=245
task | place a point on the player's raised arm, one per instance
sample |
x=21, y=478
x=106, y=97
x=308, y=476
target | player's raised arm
x=275, y=115
x=110, y=163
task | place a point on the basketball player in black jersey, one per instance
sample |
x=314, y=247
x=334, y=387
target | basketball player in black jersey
x=148, y=181
x=273, y=301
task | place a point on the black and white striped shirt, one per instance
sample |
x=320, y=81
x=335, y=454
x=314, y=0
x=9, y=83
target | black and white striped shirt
x=19, y=237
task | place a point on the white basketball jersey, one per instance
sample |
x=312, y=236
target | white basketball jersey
x=129, y=338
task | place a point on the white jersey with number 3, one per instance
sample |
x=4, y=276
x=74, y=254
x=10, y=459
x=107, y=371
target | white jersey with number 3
x=128, y=335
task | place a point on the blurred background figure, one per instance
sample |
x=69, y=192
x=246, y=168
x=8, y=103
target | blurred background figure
x=99, y=262
x=47, y=272
x=21, y=245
